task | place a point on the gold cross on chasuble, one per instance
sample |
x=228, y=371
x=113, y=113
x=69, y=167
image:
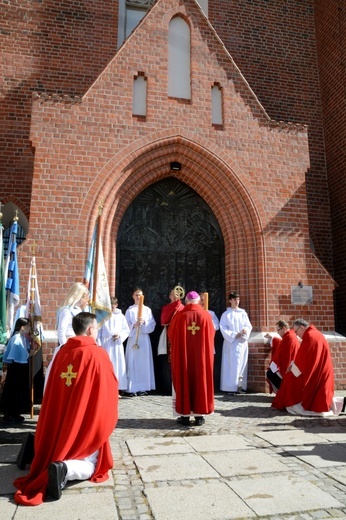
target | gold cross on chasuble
x=68, y=375
x=193, y=328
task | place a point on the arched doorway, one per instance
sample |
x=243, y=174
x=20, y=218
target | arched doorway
x=169, y=236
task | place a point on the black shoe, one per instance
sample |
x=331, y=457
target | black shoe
x=184, y=421
x=142, y=393
x=199, y=420
x=233, y=393
x=130, y=394
x=242, y=391
x=344, y=405
x=26, y=453
x=56, y=479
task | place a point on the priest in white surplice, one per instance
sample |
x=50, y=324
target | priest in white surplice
x=235, y=328
x=139, y=356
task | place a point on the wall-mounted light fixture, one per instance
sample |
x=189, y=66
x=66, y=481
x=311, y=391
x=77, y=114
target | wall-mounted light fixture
x=176, y=166
x=300, y=283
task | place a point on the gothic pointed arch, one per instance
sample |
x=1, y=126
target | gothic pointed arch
x=221, y=185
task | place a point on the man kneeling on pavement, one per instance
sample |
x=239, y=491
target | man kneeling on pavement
x=78, y=414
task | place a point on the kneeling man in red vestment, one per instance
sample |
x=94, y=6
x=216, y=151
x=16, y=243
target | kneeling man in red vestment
x=191, y=334
x=308, y=386
x=78, y=414
x=284, y=350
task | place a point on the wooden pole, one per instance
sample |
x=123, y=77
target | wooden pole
x=32, y=327
x=96, y=259
x=206, y=301
x=140, y=306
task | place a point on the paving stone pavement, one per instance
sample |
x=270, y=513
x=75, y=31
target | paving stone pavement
x=248, y=461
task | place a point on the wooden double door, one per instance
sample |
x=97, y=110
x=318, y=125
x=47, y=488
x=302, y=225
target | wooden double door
x=167, y=237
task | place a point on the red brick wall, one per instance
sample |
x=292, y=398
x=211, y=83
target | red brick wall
x=94, y=149
x=331, y=45
x=53, y=46
x=252, y=172
x=273, y=43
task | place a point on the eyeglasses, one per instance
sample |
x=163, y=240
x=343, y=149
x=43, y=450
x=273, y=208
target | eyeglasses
x=278, y=330
x=296, y=330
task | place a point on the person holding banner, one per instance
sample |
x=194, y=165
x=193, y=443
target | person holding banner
x=139, y=355
x=15, y=398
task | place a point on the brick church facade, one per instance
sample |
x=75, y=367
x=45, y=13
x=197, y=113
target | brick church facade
x=266, y=154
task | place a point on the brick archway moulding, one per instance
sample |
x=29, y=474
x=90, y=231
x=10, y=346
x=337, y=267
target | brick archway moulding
x=16, y=202
x=216, y=178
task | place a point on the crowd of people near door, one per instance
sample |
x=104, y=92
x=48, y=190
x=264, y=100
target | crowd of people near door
x=91, y=369
x=300, y=373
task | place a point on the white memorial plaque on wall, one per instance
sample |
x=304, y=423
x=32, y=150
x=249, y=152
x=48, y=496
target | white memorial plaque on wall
x=301, y=295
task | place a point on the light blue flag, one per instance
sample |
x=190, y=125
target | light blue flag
x=12, y=275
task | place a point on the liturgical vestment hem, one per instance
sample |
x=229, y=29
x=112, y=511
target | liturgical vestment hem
x=78, y=414
x=192, y=337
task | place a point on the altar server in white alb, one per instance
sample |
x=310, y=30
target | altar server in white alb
x=139, y=356
x=111, y=337
x=235, y=328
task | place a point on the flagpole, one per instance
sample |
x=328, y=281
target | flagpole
x=3, y=316
x=32, y=325
x=97, y=253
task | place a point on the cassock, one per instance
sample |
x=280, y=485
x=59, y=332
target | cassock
x=285, y=351
x=78, y=414
x=310, y=381
x=191, y=334
x=139, y=361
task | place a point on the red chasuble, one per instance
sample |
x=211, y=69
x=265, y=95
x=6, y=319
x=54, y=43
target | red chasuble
x=168, y=311
x=78, y=414
x=192, y=337
x=275, y=345
x=314, y=388
x=286, y=351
